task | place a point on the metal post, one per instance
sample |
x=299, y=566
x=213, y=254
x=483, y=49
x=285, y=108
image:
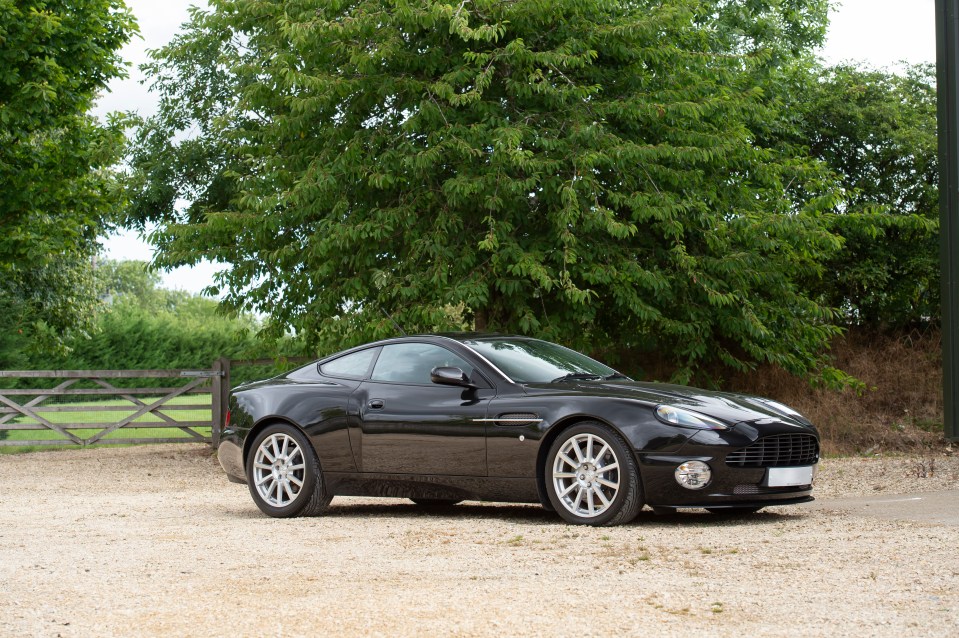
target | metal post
x=947, y=55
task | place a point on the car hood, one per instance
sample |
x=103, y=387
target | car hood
x=726, y=406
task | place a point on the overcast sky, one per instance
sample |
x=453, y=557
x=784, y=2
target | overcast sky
x=878, y=32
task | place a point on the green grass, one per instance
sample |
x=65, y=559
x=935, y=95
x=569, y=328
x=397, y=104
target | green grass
x=77, y=419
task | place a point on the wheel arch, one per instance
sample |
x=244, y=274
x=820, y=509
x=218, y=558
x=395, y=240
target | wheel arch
x=264, y=423
x=547, y=442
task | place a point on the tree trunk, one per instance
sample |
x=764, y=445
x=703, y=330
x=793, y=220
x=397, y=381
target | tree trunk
x=480, y=320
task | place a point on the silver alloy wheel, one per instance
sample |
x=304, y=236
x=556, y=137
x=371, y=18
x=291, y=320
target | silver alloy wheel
x=279, y=469
x=586, y=475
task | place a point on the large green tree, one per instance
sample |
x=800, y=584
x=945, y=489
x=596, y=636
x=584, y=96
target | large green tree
x=877, y=130
x=584, y=170
x=57, y=189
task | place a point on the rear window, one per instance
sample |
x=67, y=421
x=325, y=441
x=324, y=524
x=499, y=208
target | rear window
x=306, y=373
x=353, y=366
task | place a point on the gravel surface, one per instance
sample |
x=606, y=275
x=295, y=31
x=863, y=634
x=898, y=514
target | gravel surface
x=150, y=541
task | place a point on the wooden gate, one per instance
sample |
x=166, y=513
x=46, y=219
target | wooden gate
x=86, y=407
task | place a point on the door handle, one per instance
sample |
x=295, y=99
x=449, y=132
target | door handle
x=376, y=404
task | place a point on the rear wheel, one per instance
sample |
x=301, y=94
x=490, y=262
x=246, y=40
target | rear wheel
x=284, y=474
x=592, y=477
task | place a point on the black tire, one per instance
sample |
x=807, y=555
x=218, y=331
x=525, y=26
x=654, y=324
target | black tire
x=733, y=511
x=436, y=503
x=617, y=489
x=293, y=486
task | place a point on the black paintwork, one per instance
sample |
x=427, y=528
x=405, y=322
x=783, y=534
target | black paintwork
x=421, y=440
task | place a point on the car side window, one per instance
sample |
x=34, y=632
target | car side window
x=306, y=373
x=413, y=362
x=354, y=366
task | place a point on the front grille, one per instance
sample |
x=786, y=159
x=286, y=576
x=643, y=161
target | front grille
x=779, y=450
x=746, y=489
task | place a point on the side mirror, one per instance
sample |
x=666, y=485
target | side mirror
x=450, y=376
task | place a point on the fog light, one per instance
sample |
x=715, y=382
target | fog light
x=693, y=475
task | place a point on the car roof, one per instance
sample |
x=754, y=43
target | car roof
x=470, y=336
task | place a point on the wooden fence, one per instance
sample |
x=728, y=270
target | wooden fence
x=86, y=407
x=95, y=407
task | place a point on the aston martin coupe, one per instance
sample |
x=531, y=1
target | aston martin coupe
x=443, y=418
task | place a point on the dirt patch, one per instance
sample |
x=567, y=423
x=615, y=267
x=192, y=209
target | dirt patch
x=898, y=407
x=154, y=541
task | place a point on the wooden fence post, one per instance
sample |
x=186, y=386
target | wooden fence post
x=220, y=398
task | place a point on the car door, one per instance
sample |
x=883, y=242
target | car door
x=410, y=425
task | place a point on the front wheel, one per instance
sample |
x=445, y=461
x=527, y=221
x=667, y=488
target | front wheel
x=284, y=474
x=592, y=477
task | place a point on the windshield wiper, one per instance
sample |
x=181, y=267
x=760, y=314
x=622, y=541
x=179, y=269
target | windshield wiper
x=614, y=376
x=577, y=376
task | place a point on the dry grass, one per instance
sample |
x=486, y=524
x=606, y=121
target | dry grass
x=900, y=408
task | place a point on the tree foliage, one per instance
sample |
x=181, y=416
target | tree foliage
x=145, y=326
x=877, y=131
x=583, y=170
x=57, y=191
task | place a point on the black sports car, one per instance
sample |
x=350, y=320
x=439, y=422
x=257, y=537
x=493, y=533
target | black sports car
x=443, y=418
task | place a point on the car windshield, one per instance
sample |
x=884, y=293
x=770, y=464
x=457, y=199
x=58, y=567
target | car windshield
x=534, y=361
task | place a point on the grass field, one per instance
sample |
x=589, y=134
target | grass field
x=76, y=415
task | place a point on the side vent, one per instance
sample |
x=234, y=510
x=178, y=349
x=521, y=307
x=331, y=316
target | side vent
x=517, y=419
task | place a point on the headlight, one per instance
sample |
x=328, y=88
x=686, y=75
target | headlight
x=688, y=418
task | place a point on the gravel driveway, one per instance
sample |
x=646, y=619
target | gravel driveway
x=153, y=540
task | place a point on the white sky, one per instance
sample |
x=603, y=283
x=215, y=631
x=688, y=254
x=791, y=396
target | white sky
x=882, y=32
x=159, y=21
x=877, y=32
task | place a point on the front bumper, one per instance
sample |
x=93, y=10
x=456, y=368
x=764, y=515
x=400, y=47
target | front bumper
x=752, y=450
x=740, y=460
x=728, y=487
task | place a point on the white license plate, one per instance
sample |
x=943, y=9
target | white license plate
x=789, y=476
